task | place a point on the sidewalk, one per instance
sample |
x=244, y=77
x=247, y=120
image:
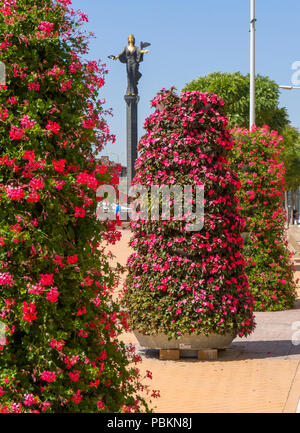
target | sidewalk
x=260, y=373
x=293, y=235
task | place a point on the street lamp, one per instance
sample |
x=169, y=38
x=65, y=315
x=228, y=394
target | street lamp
x=252, y=65
x=289, y=87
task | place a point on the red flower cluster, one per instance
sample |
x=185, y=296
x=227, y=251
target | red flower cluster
x=6, y=279
x=53, y=126
x=48, y=376
x=16, y=133
x=46, y=279
x=16, y=193
x=46, y=27
x=52, y=295
x=34, y=86
x=29, y=312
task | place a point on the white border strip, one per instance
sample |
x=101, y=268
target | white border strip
x=298, y=407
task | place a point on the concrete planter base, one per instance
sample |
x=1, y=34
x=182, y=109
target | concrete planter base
x=187, y=344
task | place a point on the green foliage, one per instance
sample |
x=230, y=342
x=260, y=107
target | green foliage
x=234, y=89
x=291, y=157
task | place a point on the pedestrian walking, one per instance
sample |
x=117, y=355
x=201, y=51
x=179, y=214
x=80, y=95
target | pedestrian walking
x=295, y=216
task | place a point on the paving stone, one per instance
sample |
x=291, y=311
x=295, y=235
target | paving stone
x=258, y=374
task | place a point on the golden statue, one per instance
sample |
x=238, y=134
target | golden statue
x=132, y=56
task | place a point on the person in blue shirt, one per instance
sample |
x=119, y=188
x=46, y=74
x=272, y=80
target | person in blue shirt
x=118, y=209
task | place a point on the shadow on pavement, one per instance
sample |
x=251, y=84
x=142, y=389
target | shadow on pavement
x=284, y=349
x=245, y=350
x=297, y=305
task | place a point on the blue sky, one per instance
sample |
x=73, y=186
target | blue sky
x=190, y=38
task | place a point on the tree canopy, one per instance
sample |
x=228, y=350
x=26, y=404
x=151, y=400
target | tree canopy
x=291, y=157
x=234, y=89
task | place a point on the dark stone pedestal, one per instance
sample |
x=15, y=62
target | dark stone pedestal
x=132, y=135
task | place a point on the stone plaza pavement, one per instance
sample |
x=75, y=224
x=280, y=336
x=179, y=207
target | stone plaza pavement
x=260, y=373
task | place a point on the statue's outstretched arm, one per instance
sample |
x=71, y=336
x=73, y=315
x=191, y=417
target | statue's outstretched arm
x=121, y=56
x=114, y=57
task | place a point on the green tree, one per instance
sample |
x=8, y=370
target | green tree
x=234, y=89
x=291, y=157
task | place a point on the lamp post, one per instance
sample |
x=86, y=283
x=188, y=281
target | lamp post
x=289, y=87
x=252, y=65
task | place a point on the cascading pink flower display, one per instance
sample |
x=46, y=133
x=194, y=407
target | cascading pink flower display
x=270, y=271
x=55, y=282
x=181, y=281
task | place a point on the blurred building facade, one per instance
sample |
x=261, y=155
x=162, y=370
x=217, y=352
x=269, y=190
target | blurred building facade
x=106, y=161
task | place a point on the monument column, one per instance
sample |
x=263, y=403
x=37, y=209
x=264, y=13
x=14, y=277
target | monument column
x=132, y=135
x=132, y=56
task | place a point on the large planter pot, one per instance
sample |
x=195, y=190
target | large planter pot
x=188, y=344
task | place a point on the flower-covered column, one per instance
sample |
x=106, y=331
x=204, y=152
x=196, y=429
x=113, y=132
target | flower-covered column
x=269, y=268
x=61, y=351
x=180, y=281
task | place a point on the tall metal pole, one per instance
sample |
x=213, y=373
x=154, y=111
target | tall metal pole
x=132, y=135
x=252, y=66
